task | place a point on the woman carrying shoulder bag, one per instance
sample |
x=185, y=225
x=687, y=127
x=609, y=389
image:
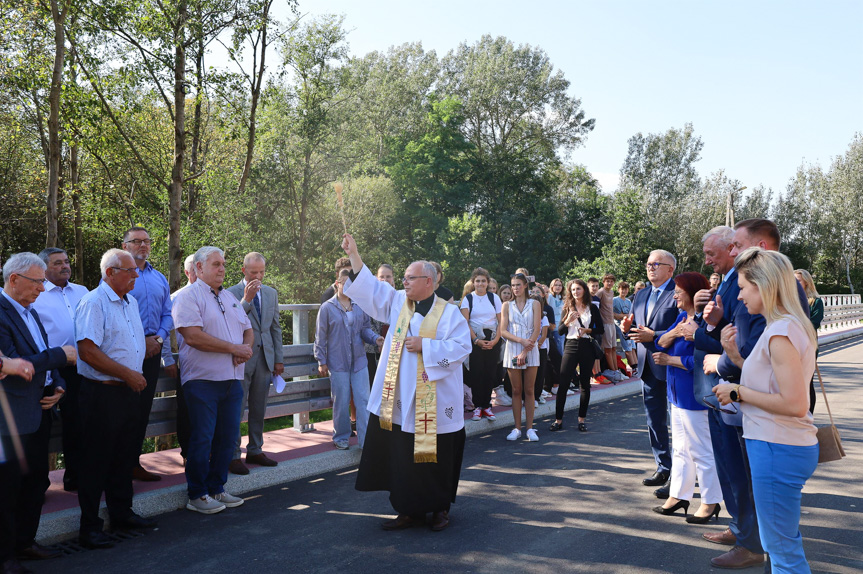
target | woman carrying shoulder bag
x=580, y=321
x=481, y=308
x=773, y=396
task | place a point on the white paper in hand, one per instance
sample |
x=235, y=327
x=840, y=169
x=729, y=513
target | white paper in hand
x=278, y=383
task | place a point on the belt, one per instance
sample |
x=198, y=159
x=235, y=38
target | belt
x=109, y=383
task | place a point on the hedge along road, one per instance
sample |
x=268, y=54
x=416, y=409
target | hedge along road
x=571, y=503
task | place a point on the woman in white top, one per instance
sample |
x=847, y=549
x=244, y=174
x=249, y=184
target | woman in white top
x=482, y=308
x=520, y=321
x=555, y=301
x=773, y=396
x=579, y=322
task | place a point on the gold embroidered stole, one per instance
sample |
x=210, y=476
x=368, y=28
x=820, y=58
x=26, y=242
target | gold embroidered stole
x=425, y=416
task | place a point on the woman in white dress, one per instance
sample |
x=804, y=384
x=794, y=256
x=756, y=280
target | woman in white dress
x=520, y=327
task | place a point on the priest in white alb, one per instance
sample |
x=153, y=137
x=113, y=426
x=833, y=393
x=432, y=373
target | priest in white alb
x=415, y=439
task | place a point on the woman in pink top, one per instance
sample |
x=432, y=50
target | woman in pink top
x=774, y=399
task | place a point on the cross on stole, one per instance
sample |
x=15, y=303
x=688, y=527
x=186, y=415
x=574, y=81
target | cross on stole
x=426, y=420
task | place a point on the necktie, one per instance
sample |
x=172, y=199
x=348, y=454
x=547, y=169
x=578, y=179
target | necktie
x=257, y=306
x=652, y=303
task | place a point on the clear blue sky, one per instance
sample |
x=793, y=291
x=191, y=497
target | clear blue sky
x=767, y=85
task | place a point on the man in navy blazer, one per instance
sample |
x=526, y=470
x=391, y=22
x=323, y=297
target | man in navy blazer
x=653, y=312
x=32, y=405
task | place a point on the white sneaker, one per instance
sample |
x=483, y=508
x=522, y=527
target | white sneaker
x=541, y=400
x=535, y=404
x=205, y=505
x=546, y=395
x=514, y=434
x=532, y=436
x=502, y=399
x=569, y=392
x=476, y=414
x=229, y=500
x=554, y=390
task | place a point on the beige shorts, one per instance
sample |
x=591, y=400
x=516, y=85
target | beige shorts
x=609, y=337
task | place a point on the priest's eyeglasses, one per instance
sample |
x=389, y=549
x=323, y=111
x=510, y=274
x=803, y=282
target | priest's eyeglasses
x=406, y=280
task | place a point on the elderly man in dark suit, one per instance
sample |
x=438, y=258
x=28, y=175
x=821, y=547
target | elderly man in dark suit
x=653, y=312
x=261, y=304
x=32, y=397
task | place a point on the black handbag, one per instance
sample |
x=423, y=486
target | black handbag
x=597, y=350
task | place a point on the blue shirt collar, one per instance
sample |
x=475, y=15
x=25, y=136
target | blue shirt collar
x=18, y=306
x=661, y=287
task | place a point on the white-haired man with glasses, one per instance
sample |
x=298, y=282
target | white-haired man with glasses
x=216, y=342
x=32, y=393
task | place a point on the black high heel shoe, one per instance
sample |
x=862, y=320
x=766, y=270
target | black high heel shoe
x=684, y=504
x=705, y=519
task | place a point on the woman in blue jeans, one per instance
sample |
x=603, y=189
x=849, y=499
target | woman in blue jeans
x=774, y=399
x=342, y=327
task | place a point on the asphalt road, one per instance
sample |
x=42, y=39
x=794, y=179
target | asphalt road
x=571, y=503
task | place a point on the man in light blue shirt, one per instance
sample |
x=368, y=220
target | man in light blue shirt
x=56, y=308
x=111, y=343
x=154, y=305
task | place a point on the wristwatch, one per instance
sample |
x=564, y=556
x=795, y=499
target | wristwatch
x=159, y=339
x=734, y=395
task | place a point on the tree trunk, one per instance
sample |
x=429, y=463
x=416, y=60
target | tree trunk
x=848, y=271
x=257, y=80
x=58, y=14
x=196, y=125
x=175, y=190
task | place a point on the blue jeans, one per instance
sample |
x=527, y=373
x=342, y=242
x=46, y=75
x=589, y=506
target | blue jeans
x=779, y=472
x=342, y=385
x=214, y=417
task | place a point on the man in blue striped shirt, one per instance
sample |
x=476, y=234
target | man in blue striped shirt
x=154, y=305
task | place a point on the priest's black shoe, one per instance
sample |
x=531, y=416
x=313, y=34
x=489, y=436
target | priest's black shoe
x=401, y=522
x=440, y=520
x=134, y=522
x=95, y=540
x=38, y=552
x=659, y=477
x=663, y=491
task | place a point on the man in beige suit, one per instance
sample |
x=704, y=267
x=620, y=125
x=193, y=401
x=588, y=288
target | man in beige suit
x=261, y=303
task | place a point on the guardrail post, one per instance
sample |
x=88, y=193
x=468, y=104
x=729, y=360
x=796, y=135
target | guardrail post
x=301, y=337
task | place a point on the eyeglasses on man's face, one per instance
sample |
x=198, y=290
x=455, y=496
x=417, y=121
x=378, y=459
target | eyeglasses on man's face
x=410, y=278
x=656, y=265
x=39, y=281
x=126, y=269
x=139, y=242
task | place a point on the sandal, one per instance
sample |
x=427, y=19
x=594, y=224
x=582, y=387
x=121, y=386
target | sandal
x=555, y=426
x=582, y=427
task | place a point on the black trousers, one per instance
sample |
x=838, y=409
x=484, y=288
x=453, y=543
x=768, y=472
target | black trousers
x=22, y=494
x=71, y=417
x=576, y=353
x=552, y=367
x=151, y=374
x=109, y=417
x=482, y=375
x=372, y=359
x=540, y=373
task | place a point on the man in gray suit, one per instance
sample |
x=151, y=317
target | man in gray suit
x=261, y=303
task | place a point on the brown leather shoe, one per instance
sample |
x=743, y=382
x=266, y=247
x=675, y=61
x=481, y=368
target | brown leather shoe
x=400, y=522
x=260, y=459
x=144, y=475
x=440, y=520
x=737, y=557
x=236, y=466
x=725, y=537
x=38, y=552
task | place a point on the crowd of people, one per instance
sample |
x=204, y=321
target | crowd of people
x=733, y=355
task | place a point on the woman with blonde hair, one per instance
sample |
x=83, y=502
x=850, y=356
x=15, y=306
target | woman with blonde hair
x=779, y=430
